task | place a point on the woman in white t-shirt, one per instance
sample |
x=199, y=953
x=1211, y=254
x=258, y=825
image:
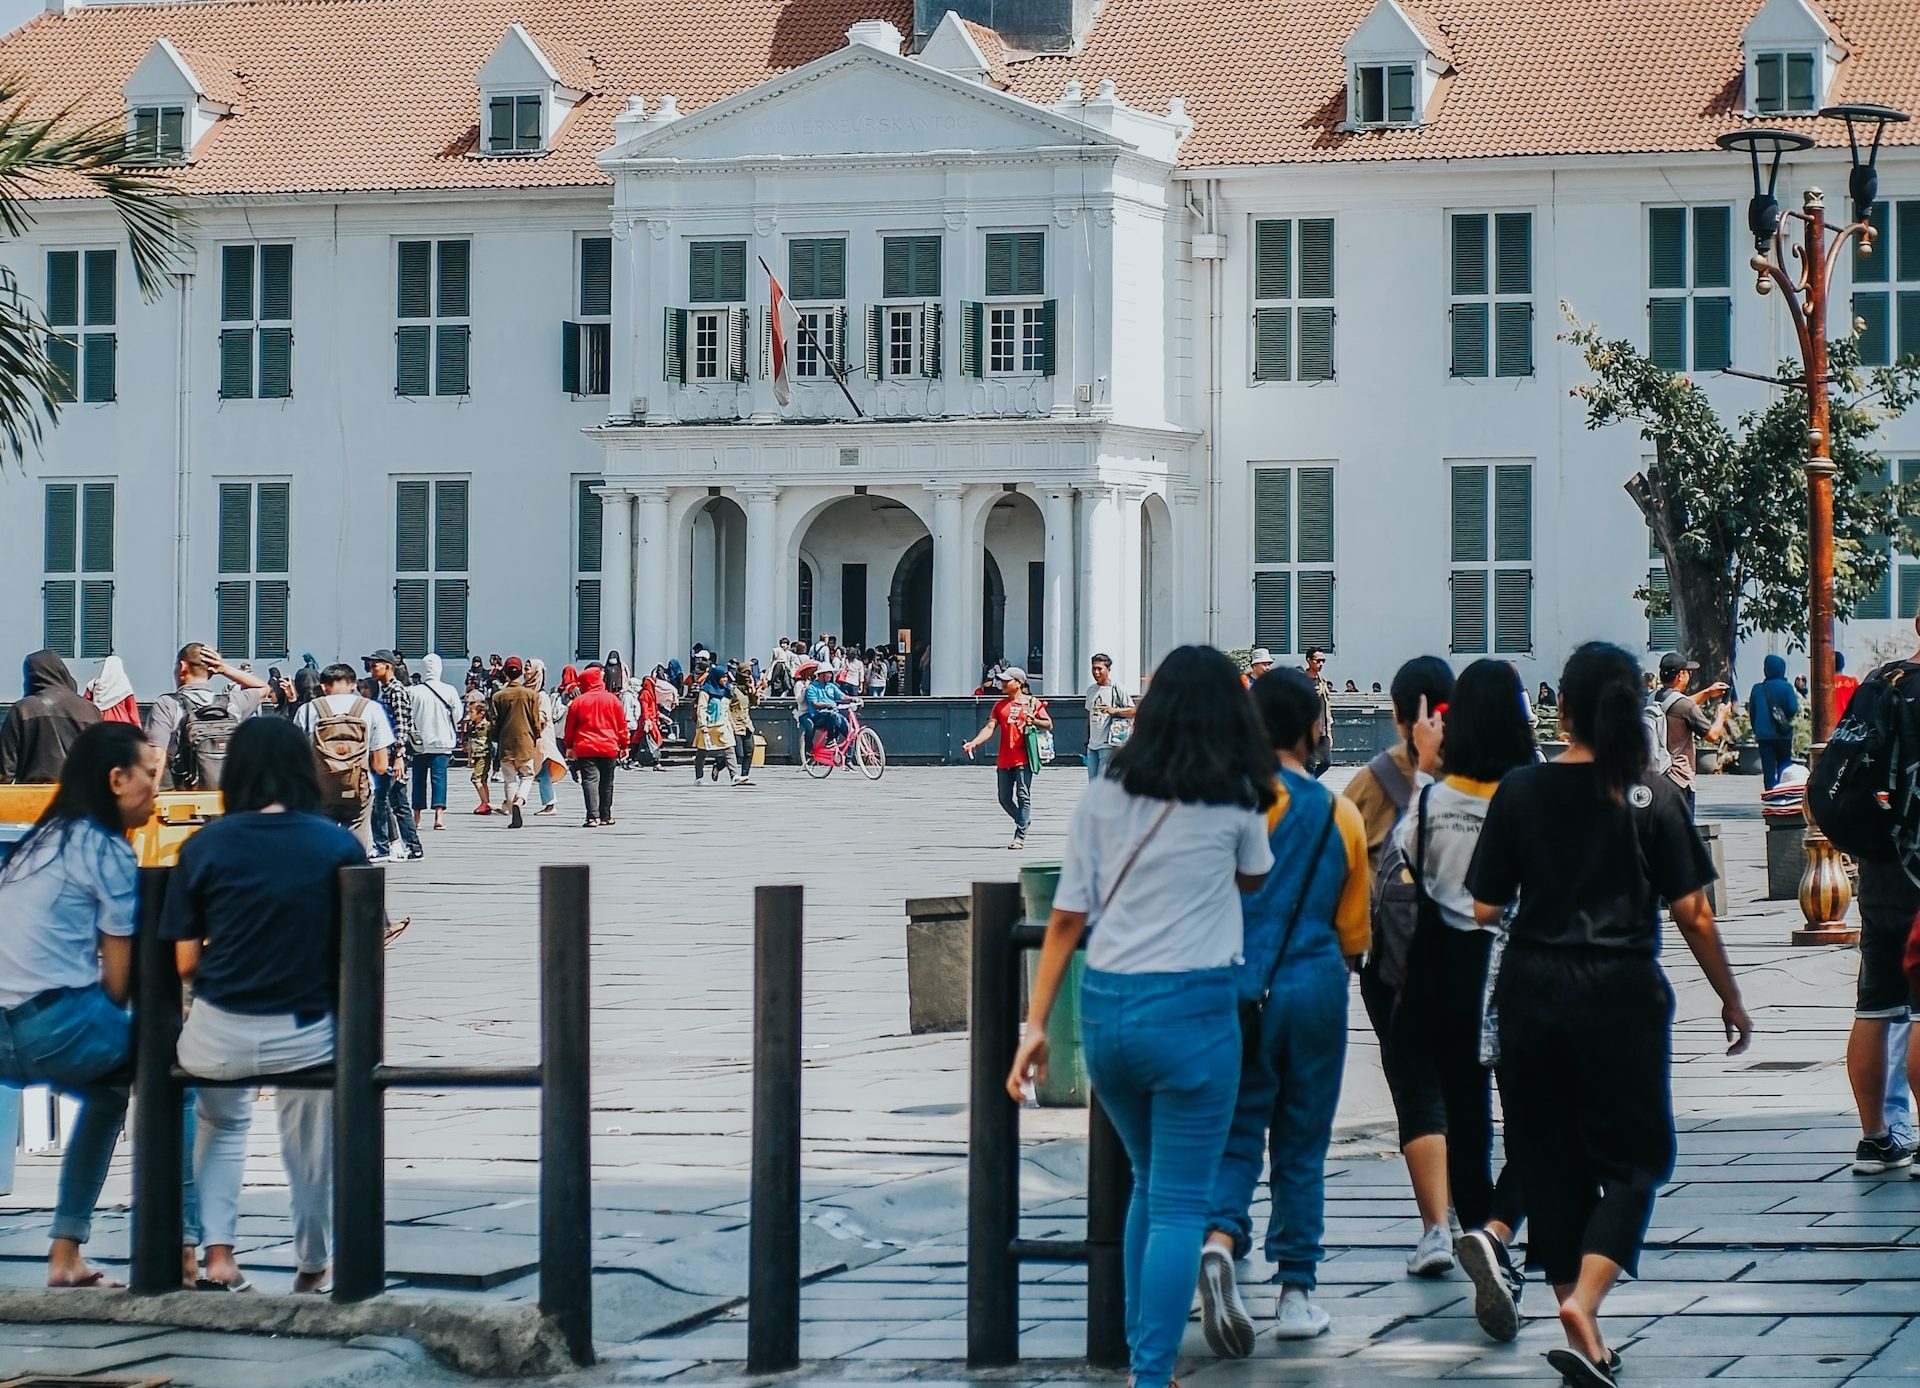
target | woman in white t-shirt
x=1157, y=855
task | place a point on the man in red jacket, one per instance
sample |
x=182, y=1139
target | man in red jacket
x=593, y=739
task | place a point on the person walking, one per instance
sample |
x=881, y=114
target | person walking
x=352, y=742
x=1772, y=705
x=477, y=729
x=43, y=726
x=1682, y=720
x=878, y=672
x=713, y=727
x=1157, y=853
x=192, y=724
x=1322, y=760
x=1109, y=715
x=1305, y=929
x=391, y=802
x=740, y=711
x=253, y=908
x=517, y=716
x=1017, y=713
x=1436, y=1037
x=594, y=738
x=1589, y=848
x=1844, y=686
x=552, y=710
x=111, y=692
x=436, y=715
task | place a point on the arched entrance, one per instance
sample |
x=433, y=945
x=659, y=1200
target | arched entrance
x=717, y=577
x=1013, y=538
x=1156, y=582
x=910, y=608
x=852, y=546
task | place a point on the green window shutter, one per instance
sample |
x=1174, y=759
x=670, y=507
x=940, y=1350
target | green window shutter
x=236, y=363
x=415, y=299
x=1513, y=512
x=450, y=526
x=673, y=350
x=102, y=281
x=410, y=617
x=1769, y=82
x=526, y=122
x=450, y=618
x=1399, y=108
x=1876, y=604
x=1316, y=609
x=410, y=506
x=1272, y=516
x=1513, y=253
x=1667, y=333
x=1712, y=247
x=590, y=528
x=803, y=270
x=63, y=352
x=276, y=283
x=1874, y=315
x=452, y=342
x=276, y=363
x=1512, y=611
x=1273, y=611
x=896, y=265
x=973, y=358
x=1316, y=344
x=61, y=552
x=456, y=266
x=413, y=352
x=1800, y=93
x=1469, y=339
x=1906, y=340
x=144, y=141
x=1513, y=339
x=1907, y=220
x=96, y=528
x=586, y=619
x=1874, y=265
x=703, y=274
x=1316, y=258
x=925, y=277
x=1667, y=248
x=1273, y=344
x=1469, y=617
x=236, y=527
x=1470, y=253
x=1049, y=320
x=270, y=599
x=232, y=611
x=570, y=358
x=999, y=265
x=272, y=528
x=733, y=271
x=1273, y=260
x=236, y=284
x=1909, y=586
x=1712, y=333
x=596, y=276
x=876, y=341
x=832, y=272
x=59, y=618
x=98, y=351
x=1469, y=515
x=96, y=618
x=63, y=288
x=1663, y=632
x=1029, y=262
x=1314, y=542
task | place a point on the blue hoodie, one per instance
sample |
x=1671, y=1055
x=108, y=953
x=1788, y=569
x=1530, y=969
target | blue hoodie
x=1773, y=702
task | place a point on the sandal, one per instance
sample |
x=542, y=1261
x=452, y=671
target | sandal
x=211, y=1284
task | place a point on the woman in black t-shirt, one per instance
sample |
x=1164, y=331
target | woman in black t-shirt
x=1591, y=849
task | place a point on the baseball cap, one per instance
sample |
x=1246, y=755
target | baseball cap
x=514, y=665
x=381, y=656
x=1260, y=655
x=1672, y=663
x=1013, y=672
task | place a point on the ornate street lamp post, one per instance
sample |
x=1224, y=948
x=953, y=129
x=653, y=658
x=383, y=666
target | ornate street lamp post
x=1825, y=892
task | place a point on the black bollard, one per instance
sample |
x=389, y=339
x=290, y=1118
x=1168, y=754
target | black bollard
x=773, y=1247
x=157, y=1125
x=993, y=1150
x=566, y=1108
x=359, y=1105
x=1109, y=1188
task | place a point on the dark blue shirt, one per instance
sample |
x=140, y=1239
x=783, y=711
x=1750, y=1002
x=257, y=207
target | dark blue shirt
x=261, y=890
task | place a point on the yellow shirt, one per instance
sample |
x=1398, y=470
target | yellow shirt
x=1376, y=807
x=1353, y=912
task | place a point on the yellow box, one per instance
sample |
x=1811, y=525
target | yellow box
x=176, y=814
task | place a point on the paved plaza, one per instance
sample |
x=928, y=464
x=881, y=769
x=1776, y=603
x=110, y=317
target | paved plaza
x=1768, y=1260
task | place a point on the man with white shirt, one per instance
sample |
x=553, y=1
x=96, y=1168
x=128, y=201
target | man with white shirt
x=349, y=757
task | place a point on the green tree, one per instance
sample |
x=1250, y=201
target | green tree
x=53, y=156
x=1727, y=507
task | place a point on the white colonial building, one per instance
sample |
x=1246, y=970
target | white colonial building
x=1156, y=323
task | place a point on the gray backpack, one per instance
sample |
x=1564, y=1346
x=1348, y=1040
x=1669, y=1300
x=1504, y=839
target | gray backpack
x=1396, y=897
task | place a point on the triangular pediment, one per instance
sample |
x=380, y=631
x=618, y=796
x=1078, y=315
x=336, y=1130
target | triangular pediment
x=1788, y=21
x=163, y=75
x=1389, y=31
x=517, y=61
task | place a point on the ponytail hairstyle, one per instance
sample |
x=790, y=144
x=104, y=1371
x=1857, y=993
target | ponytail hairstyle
x=1601, y=695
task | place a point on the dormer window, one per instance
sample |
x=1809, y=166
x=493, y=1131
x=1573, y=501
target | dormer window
x=175, y=99
x=513, y=123
x=157, y=133
x=1791, y=56
x=1383, y=94
x=526, y=94
x=1785, y=83
x=1395, y=60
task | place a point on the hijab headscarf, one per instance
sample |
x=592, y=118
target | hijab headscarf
x=569, y=682
x=536, y=675
x=616, y=673
x=112, y=692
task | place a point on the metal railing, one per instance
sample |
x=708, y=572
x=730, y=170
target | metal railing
x=360, y=1078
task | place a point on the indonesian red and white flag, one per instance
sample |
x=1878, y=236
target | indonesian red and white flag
x=781, y=337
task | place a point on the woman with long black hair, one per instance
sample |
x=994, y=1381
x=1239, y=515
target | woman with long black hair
x=1590, y=845
x=1155, y=852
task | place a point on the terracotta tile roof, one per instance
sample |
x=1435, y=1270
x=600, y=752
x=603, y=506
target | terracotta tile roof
x=219, y=77
x=1428, y=28
x=994, y=49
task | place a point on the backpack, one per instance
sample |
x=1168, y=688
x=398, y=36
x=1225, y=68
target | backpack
x=1862, y=792
x=1653, y=714
x=199, y=750
x=340, y=746
x=1396, y=896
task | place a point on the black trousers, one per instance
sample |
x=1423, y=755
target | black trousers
x=1586, y=1042
x=1435, y=1047
x=596, y=785
x=1417, y=1114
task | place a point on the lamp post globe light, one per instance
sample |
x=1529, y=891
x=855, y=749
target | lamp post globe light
x=1802, y=268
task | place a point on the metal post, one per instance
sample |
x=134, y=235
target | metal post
x=993, y=1148
x=1109, y=1189
x=359, y=1137
x=566, y=1105
x=773, y=1245
x=157, y=1138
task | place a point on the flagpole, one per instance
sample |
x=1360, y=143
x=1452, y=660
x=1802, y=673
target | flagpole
x=800, y=320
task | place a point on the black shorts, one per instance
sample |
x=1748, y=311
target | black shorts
x=1888, y=904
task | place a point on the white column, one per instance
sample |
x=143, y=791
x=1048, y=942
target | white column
x=1128, y=655
x=654, y=600
x=1101, y=562
x=766, y=593
x=616, y=571
x=1057, y=632
x=951, y=595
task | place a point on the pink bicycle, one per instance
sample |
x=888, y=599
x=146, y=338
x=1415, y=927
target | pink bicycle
x=860, y=748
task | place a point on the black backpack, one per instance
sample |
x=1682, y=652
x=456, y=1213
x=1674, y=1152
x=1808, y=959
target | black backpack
x=1863, y=790
x=199, y=751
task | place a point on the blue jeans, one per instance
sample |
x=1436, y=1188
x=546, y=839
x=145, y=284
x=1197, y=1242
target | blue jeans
x=545, y=781
x=1164, y=1054
x=1899, y=1101
x=390, y=798
x=430, y=776
x=1097, y=762
x=1016, y=796
x=1289, y=1088
x=1775, y=753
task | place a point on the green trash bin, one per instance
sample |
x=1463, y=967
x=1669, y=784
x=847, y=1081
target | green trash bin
x=1066, y=1085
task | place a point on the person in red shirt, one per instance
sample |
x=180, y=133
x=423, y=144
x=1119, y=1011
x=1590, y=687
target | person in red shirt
x=1012, y=717
x=593, y=739
x=1844, y=686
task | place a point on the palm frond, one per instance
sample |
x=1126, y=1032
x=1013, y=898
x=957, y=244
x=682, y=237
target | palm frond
x=31, y=386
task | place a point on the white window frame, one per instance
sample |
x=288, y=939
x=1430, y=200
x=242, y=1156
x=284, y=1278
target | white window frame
x=707, y=361
x=1019, y=325
x=827, y=322
x=514, y=150
x=1357, y=116
x=1785, y=55
x=141, y=148
x=905, y=324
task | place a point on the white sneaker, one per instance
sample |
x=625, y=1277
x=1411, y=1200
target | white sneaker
x=1299, y=1318
x=1223, y=1316
x=1432, y=1256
